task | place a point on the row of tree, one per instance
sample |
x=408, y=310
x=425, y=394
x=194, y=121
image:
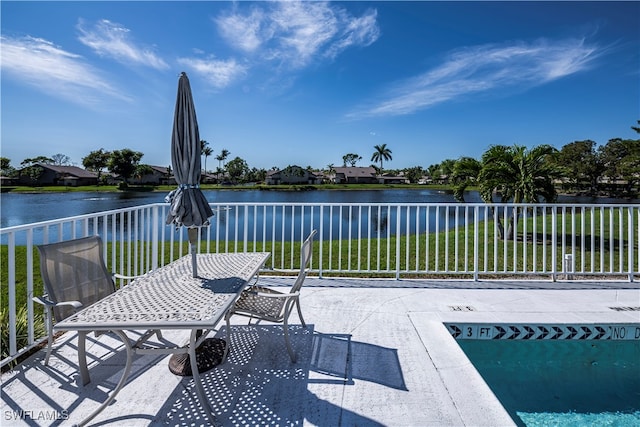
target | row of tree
x=581, y=166
x=526, y=175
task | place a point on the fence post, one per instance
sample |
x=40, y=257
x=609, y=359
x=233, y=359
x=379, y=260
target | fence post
x=398, y=210
x=554, y=243
x=320, y=240
x=630, y=245
x=13, y=346
x=476, y=261
x=568, y=266
x=154, y=237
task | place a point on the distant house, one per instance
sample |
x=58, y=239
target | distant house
x=322, y=177
x=292, y=175
x=6, y=181
x=72, y=176
x=393, y=179
x=160, y=175
x=355, y=175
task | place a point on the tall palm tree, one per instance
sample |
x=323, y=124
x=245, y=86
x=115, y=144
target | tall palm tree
x=381, y=153
x=206, y=152
x=221, y=158
x=518, y=175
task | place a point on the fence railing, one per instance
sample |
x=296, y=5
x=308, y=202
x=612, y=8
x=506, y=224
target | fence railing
x=421, y=240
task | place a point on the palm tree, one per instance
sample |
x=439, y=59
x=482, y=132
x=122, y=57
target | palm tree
x=465, y=172
x=381, y=153
x=206, y=152
x=518, y=175
x=221, y=158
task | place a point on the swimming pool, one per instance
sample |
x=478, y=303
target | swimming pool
x=566, y=380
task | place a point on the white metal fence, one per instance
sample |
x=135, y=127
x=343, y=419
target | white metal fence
x=421, y=240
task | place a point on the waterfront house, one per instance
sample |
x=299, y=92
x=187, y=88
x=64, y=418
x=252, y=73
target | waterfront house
x=72, y=176
x=393, y=179
x=159, y=175
x=292, y=175
x=355, y=175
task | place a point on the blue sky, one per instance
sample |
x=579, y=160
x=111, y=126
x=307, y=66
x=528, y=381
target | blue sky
x=307, y=82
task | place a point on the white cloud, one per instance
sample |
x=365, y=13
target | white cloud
x=218, y=73
x=296, y=33
x=302, y=29
x=112, y=40
x=49, y=68
x=481, y=69
x=361, y=31
x=242, y=32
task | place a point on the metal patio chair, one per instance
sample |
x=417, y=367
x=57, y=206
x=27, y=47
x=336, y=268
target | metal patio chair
x=74, y=276
x=262, y=303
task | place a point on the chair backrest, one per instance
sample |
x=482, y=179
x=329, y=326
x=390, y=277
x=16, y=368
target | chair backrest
x=305, y=258
x=74, y=270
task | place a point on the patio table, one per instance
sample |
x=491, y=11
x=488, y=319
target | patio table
x=167, y=298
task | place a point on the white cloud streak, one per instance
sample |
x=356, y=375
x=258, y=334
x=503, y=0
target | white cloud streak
x=290, y=34
x=109, y=39
x=218, y=73
x=481, y=69
x=41, y=64
x=297, y=33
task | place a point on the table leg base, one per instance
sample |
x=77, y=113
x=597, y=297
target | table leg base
x=209, y=355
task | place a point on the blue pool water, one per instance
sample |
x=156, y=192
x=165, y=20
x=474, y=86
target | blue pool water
x=562, y=382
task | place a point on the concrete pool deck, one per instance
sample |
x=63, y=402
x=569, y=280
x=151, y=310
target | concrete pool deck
x=376, y=352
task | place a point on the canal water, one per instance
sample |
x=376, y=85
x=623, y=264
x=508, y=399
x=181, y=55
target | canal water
x=20, y=208
x=23, y=208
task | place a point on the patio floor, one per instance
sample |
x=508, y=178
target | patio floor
x=375, y=352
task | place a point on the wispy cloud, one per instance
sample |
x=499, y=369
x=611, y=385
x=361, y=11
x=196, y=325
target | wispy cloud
x=480, y=69
x=59, y=73
x=112, y=40
x=296, y=33
x=243, y=32
x=218, y=73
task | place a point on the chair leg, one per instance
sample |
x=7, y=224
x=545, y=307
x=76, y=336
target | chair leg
x=82, y=357
x=50, y=329
x=292, y=355
x=300, y=313
x=226, y=347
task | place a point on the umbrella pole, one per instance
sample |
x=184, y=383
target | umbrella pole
x=193, y=240
x=211, y=352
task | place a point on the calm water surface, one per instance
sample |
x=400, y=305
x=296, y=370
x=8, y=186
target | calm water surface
x=21, y=208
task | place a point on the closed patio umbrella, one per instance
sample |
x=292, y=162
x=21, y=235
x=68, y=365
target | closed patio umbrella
x=189, y=208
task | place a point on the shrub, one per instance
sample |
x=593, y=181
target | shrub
x=22, y=330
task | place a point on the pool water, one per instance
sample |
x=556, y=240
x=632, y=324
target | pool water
x=562, y=382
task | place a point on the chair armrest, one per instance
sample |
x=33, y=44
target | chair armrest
x=49, y=303
x=280, y=270
x=44, y=301
x=122, y=276
x=267, y=295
